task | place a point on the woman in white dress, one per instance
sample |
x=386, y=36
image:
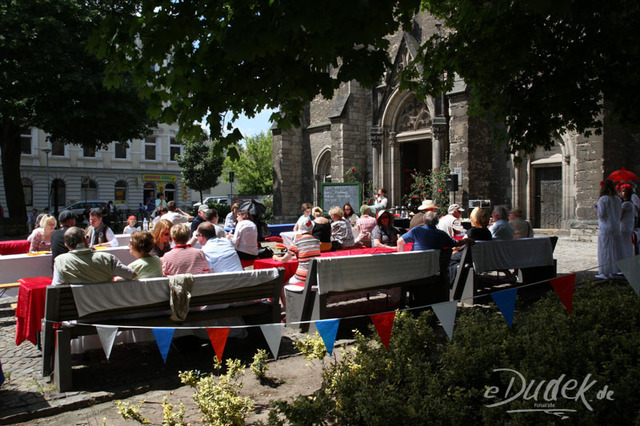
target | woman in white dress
x=627, y=222
x=609, y=209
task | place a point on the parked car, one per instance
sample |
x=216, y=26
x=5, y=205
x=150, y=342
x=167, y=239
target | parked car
x=78, y=207
x=214, y=200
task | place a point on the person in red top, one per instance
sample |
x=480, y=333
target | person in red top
x=183, y=259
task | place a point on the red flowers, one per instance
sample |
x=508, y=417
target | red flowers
x=435, y=170
x=353, y=169
x=439, y=190
x=415, y=196
x=420, y=186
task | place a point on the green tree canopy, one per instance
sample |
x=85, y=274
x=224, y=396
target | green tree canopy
x=539, y=67
x=536, y=67
x=219, y=59
x=201, y=166
x=49, y=80
x=253, y=169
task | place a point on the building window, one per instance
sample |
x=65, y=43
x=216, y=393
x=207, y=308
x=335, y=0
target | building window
x=25, y=141
x=27, y=187
x=88, y=189
x=57, y=148
x=58, y=194
x=150, y=148
x=175, y=148
x=121, y=150
x=89, y=151
x=169, y=192
x=120, y=194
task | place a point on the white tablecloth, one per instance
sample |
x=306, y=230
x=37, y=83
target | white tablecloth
x=16, y=266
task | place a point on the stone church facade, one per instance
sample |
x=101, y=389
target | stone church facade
x=388, y=133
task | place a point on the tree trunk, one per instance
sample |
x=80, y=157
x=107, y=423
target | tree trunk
x=11, y=155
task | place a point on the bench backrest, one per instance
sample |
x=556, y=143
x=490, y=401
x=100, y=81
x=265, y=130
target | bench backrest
x=353, y=273
x=511, y=254
x=98, y=301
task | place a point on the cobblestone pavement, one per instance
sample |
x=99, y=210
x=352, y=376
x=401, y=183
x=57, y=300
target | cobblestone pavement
x=27, y=395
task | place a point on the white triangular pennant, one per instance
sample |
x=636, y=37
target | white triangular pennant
x=446, y=313
x=107, y=337
x=630, y=267
x=273, y=336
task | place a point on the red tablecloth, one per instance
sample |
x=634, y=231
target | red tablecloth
x=14, y=247
x=291, y=266
x=30, y=310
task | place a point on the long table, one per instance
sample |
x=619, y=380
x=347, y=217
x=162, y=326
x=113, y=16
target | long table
x=291, y=266
x=16, y=266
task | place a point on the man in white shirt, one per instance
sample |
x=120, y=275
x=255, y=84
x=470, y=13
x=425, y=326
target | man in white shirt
x=175, y=215
x=220, y=252
x=500, y=230
x=450, y=223
x=380, y=201
x=98, y=233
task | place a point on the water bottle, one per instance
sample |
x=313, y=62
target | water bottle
x=145, y=224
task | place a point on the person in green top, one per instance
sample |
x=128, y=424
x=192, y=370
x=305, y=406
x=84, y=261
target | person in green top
x=145, y=265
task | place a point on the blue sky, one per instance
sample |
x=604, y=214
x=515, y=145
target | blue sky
x=253, y=126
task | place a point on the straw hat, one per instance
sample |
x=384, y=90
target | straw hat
x=427, y=205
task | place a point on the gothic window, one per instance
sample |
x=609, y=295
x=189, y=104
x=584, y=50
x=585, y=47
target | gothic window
x=414, y=116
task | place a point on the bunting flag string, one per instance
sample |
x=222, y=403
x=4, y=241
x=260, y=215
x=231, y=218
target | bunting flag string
x=564, y=287
x=218, y=337
x=446, y=313
x=107, y=336
x=163, y=339
x=328, y=330
x=383, y=324
x=273, y=335
x=506, y=301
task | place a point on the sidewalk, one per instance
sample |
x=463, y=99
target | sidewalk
x=138, y=369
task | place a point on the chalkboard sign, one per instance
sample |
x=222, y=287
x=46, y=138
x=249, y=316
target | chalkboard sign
x=336, y=194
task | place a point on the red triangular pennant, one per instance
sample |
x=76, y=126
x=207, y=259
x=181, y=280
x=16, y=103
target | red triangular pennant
x=384, y=324
x=218, y=337
x=564, y=287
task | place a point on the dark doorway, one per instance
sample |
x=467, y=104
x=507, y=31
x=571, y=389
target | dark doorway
x=414, y=157
x=548, y=203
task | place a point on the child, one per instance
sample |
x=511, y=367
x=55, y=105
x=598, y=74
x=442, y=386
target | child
x=146, y=265
x=131, y=225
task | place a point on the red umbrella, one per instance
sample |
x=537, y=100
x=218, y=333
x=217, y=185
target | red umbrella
x=622, y=175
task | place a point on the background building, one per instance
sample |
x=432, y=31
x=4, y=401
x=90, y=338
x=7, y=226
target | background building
x=123, y=175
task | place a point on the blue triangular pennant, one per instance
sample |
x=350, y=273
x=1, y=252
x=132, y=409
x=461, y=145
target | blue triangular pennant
x=163, y=339
x=506, y=301
x=328, y=329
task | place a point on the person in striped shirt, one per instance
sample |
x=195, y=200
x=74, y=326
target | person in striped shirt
x=304, y=247
x=182, y=258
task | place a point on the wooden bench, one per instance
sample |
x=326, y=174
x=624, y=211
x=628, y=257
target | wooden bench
x=254, y=295
x=532, y=257
x=333, y=276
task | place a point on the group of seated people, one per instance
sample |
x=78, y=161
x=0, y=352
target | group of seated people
x=84, y=264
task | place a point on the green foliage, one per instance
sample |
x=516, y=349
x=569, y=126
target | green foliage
x=425, y=376
x=200, y=166
x=131, y=411
x=254, y=167
x=536, y=69
x=170, y=417
x=195, y=59
x=311, y=347
x=218, y=398
x=50, y=81
x=355, y=174
x=431, y=186
x=259, y=365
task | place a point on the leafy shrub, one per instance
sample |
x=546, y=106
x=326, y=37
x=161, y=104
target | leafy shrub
x=218, y=398
x=424, y=378
x=431, y=186
x=259, y=365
